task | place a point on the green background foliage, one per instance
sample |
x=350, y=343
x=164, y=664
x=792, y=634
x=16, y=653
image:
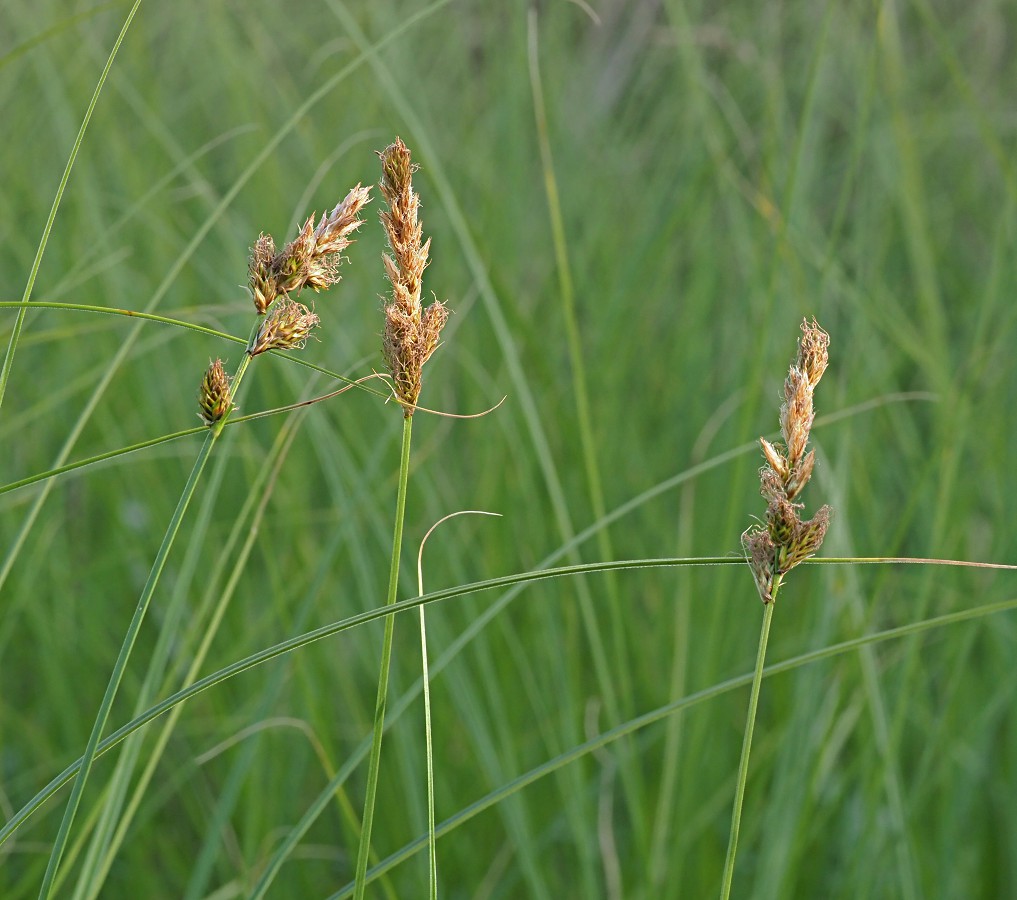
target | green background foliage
x=723, y=171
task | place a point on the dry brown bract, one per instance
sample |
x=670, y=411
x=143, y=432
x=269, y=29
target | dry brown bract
x=786, y=540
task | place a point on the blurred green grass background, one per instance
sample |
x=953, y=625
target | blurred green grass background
x=724, y=171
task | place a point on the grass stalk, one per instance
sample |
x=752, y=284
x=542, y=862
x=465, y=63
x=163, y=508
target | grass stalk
x=8, y=361
x=289, y=645
x=222, y=589
x=743, y=764
x=374, y=761
x=785, y=541
x=116, y=677
x=88, y=757
x=425, y=682
x=432, y=851
x=619, y=673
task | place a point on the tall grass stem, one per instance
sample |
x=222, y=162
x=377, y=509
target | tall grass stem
x=432, y=850
x=88, y=757
x=743, y=765
x=374, y=763
x=8, y=362
x=118, y=669
x=220, y=676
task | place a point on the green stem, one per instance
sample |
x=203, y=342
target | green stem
x=102, y=716
x=118, y=669
x=743, y=765
x=631, y=776
x=234, y=388
x=632, y=726
x=126, y=313
x=8, y=360
x=432, y=851
x=425, y=680
x=153, y=442
x=374, y=764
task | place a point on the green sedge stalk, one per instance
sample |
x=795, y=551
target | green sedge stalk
x=432, y=850
x=425, y=682
x=249, y=518
x=276, y=651
x=374, y=763
x=102, y=716
x=743, y=765
x=119, y=668
x=8, y=360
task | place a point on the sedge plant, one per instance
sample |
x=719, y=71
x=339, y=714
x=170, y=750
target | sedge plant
x=311, y=260
x=774, y=548
x=411, y=334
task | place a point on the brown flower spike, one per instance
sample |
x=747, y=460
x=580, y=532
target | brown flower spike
x=287, y=326
x=786, y=540
x=214, y=399
x=411, y=332
x=311, y=259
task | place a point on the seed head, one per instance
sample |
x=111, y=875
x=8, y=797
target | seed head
x=411, y=333
x=786, y=540
x=774, y=455
x=286, y=327
x=796, y=414
x=214, y=400
x=312, y=259
x=800, y=475
x=261, y=277
x=781, y=521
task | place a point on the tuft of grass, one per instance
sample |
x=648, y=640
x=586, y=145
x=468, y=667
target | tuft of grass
x=717, y=175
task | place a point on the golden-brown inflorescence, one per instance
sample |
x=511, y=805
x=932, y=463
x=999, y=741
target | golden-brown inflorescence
x=214, y=399
x=311, y=259
x=287, y=326
x=411, y=332
x=786, y=540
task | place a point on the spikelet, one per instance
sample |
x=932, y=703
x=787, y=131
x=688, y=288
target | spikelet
x=286, y=327
x=214, y=399
x=311, y=259
x=411, y=333
x=774, y=549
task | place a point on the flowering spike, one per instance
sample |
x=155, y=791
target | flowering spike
x=261, y=277
x=287, y=327
x=786, y=540
x=214, y=400
x=312, y=259
x=412, y=333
